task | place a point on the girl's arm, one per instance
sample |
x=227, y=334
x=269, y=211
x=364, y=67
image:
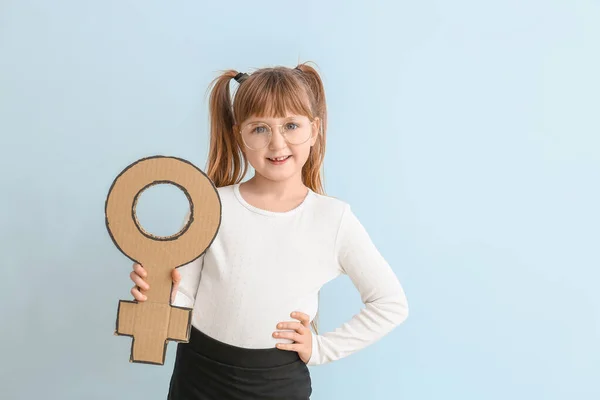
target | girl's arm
x=190, y=280
x=380, y=290
x=188, y=286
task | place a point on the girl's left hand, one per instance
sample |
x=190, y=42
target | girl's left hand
x=300, y=334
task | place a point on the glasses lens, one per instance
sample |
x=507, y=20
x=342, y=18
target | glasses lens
x=296, y=132
x=256, y=135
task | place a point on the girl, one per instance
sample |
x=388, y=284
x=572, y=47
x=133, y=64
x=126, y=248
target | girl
x=254, y=292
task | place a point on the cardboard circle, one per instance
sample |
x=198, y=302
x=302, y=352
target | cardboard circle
x=171, y=251
x=137, y=221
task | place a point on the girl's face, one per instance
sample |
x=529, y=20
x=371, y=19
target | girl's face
x=278, y=148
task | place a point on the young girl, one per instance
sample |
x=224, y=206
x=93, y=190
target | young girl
x=254, y=292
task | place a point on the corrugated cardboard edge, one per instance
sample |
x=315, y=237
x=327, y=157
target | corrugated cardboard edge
x=161, y=238
x=188, y=331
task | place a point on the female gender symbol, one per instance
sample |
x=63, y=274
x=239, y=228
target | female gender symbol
x=155, y=321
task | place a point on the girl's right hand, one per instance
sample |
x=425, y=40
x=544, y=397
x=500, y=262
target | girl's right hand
x=141, y=286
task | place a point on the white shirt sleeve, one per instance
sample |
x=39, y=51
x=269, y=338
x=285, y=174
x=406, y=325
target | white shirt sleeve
x=188, y=286
x=380, y=290
x=190, y=280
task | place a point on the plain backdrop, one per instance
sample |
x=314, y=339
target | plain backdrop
x=465, y=134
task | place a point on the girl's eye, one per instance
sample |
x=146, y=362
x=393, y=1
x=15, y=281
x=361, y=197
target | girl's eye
x=260, y=129
x=291, y=126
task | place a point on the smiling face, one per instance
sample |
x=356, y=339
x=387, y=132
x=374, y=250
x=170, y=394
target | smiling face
x=278, y=148
x=276, y=112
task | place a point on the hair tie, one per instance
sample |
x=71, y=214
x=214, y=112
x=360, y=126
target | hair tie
x=298, y=68
x=241, y=77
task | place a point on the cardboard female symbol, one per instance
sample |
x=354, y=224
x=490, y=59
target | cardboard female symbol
x=154, y=322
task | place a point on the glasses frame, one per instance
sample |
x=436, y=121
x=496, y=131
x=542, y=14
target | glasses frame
x=278, y=126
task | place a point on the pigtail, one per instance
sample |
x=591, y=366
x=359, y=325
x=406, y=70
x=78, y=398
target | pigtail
x=312, y=171
x=226, y=164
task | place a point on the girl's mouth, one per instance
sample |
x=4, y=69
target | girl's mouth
x=279, y=160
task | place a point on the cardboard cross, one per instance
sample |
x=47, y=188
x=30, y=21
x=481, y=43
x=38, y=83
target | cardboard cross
x=154, y=322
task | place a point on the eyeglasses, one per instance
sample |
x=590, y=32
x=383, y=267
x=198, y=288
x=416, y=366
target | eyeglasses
x=258, y=135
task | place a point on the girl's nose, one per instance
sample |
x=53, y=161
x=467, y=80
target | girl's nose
x=277, y=140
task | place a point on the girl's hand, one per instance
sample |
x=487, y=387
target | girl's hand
x=300, y=334
x=141, y=286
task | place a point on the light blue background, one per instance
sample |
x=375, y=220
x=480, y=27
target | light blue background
x=465, y=135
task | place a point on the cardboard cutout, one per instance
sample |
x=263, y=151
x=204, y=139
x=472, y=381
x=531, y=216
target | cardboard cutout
x=154, y=322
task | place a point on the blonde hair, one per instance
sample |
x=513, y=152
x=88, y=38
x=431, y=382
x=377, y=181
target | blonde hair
x=271, y=92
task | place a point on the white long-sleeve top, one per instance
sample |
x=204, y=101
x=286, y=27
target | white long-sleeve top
x=262, y=265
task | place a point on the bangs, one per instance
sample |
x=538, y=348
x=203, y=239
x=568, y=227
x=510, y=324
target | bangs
x=272, y=94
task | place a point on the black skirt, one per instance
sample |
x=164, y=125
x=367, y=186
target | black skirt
x=207, y=369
